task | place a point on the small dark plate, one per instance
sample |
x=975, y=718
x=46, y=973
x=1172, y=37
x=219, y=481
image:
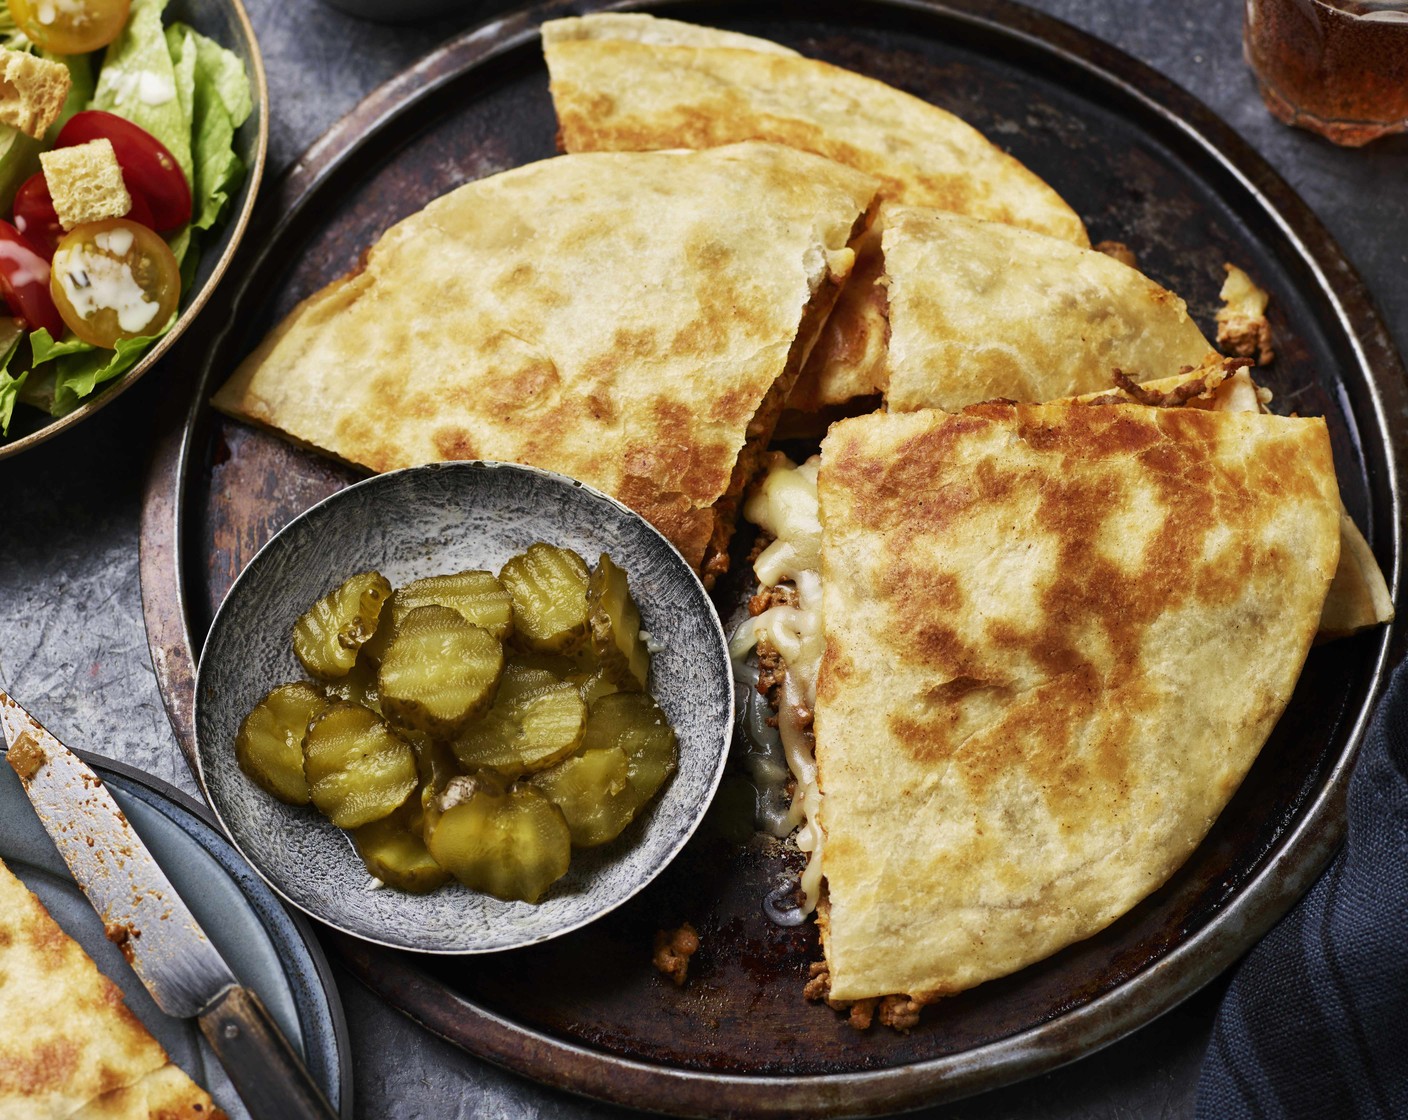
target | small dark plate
x=270, y=950
x=1142, y=162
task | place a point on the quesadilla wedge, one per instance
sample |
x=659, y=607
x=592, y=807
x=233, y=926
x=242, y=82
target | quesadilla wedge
x=634, y=83
x=1002, y=610
x=70, y=1048
x=633, y=320
x=980, y=310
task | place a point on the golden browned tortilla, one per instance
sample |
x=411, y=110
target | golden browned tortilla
x=70, y=1048
x=980, y=310
x=1057, y=637
x=633, y=320
x=634, y=83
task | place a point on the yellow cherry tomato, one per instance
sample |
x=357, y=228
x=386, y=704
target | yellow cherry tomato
x=114, y=279
x=70, y=26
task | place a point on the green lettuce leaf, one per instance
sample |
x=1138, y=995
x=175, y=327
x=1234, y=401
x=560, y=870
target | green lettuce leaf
x=79, y=368
x=138, y=80
x=10, y=387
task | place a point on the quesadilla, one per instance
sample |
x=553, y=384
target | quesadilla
x=633, y=320
x=1011, y=603
x=633, y=82
x=980, y=310
x=71, y=1049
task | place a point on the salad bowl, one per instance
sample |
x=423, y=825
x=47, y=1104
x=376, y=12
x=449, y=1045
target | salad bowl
x=225, y=22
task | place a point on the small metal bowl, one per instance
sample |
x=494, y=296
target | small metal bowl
x=226, y=22
x=446, y=518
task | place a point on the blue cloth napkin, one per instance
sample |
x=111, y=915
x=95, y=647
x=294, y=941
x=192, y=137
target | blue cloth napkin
x=1315, y=1023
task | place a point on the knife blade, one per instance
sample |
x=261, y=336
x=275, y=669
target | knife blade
x=156, y=931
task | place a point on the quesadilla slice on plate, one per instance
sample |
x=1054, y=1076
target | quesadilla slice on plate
x=70, y=1048
x=980, y=310
x=633, y=320
x=634, y=83
x=1012, y=602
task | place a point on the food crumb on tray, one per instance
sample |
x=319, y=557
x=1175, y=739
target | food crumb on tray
x=1242, y=327
x=673, y=948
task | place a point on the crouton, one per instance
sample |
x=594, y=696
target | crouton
x=85, y=182
x=32, y=91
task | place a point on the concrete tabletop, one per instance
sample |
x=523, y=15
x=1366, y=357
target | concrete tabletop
x=73, y=647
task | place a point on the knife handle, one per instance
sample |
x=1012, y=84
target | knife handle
x=271, y=1080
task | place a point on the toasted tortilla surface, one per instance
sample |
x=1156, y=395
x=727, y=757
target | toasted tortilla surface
x=70, y=1047
x=1057, y=637
x=649, y=84
x=980, y=310
x=620, y=317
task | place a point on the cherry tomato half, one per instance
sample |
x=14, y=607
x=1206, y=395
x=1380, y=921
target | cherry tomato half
x=114, y=279
x=35, y=216
x=24, y=281
x=70, y=26
x=148, y=169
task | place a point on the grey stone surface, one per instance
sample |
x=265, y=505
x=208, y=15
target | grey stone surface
x=72, y=644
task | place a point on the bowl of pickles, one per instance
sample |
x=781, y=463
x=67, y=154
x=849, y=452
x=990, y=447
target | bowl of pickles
x=463, y=707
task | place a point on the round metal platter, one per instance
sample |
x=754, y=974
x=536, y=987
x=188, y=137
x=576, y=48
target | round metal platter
x=1143, y=163
x=224, y=21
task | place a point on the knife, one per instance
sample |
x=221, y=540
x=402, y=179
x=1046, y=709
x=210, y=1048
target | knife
x=156, y=932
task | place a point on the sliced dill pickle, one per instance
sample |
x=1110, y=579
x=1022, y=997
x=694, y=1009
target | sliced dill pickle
x=536, y=720
x=635, y=723
x=615, y=626
x=593, y=789
x=600, y=683
x=437, y=767
x=478, y=596
x=359, y=685
x=549, y=590
x=511, y=843
x=559, y=665
x=359, y=770
x=269, y=745
x=393, y=851
x=374, y=648
x=326, y=639
x=439, y=671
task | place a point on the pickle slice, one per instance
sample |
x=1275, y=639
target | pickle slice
x=615, y=626
x=510, y=843
x=593, y=789
x=549, y=590
x=601, y=683
x=439, y=672
x=358, y=769
x=393, y=852
x=359, y=685
x=536, y=720
x=327, y=637
x=635, y=723
x=269, y=745
x=478, y=596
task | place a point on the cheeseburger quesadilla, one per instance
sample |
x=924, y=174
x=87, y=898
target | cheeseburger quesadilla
x=980, y=310
x=633, y=320
x=993, y=619
x=633, y=82
x=70, y=1048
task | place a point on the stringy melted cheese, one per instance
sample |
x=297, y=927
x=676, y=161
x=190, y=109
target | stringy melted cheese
x=785, y=506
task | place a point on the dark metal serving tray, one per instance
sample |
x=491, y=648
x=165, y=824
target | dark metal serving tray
x=1143, y=163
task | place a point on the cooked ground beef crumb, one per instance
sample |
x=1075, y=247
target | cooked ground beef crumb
x=1119, y=251
x=1246, y=337
x=896, y=1012
x=673, y=948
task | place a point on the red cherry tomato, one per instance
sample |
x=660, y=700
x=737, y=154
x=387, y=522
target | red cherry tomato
x=35, y=216
x=114, y=279
x=70, y=26
x=148, y=168
x=24, y=281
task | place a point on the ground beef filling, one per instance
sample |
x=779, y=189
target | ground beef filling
x=896, y=1012
x=673, y=948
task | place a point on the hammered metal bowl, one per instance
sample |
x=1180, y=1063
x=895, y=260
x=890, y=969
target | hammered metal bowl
x=423, y=521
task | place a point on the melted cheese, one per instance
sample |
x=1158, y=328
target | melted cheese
x=785, y=506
